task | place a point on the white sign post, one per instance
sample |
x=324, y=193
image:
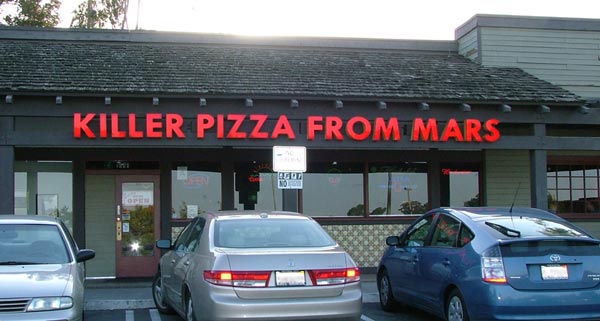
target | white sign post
x=289, y=162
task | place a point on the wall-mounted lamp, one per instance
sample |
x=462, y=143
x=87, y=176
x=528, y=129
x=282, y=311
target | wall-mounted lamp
x=59, y=100
x=294, y=103
x=339, y=104
x=249, y=103
x=8, y=99
x=465, y=107
x=505, y=108
x=107, y=100
x=423, y=106
x=583, y=110
x=381, y=105
x=202, y=102
x=155, y=101
x=543, y=109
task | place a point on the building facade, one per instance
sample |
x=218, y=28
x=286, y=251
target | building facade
x=127, y=135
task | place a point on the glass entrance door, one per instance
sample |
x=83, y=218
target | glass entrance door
x=138, y=225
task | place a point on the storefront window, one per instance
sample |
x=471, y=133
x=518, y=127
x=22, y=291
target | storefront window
x=574, y=188
x=460, y=185
x=44, y=188
x=333, y=189
x=256, y=187
x=397, y=188
x=196, y=188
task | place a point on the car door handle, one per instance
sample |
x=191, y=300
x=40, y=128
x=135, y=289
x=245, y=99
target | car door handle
x=186, y=263
x=415, y=259
x=446, y=262
x=173, y=261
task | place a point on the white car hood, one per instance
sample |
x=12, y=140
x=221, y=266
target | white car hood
x=26, y=281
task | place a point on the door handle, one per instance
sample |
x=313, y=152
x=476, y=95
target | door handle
x=186, y=263
x=415, y=259
x=446, y=262
x=173, y=261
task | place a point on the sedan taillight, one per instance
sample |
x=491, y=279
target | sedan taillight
x=335, y=276
x=492, y=266
x=245, y=279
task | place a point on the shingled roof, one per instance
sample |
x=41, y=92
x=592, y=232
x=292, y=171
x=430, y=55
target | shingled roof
x=91, y=67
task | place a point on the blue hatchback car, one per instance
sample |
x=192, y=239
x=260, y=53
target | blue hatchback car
x=492, y=264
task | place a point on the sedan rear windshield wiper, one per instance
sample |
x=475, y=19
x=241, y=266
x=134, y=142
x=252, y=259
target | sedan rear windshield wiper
x=17, y=263
x=504, y=230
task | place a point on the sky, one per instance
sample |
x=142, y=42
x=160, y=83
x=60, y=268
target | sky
x=390, y=19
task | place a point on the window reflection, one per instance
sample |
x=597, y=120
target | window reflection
x=333, y=189
x=196, y=188
x=44, y=188
x=574, y=188
x=397, y=188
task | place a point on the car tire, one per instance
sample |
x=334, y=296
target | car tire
x=386, y=297
x=456, y=309
x=189, y=308
x=158, y=295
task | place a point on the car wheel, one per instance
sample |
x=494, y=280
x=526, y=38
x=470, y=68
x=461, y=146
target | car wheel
x=189, y=310
x=158, y=295
x=456, y=309
x=386, y=297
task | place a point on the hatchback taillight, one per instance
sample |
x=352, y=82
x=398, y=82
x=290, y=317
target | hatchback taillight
x=492, y=266
x=246, y=279
x=335, y=276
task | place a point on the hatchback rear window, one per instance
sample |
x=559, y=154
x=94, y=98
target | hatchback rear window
x=518, y=226
x=270, y=233
x=548, y=247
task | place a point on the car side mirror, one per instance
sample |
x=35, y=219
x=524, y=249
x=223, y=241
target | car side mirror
x=163, y=244
x=392, y=241
x=85, y=254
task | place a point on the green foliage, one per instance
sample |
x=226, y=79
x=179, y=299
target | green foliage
x=33, y=13
x=100, y=14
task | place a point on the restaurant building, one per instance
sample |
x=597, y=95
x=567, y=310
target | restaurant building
x=127, y=135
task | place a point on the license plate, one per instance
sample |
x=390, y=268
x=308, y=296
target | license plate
x=555, y=272
x=290, y=278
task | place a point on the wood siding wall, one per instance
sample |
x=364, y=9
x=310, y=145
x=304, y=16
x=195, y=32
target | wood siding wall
x=468, y=45
x=507, y=171
x=570, y=59
x=100, y=224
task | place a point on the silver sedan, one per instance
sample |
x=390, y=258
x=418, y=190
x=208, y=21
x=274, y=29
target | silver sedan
x=256, y=266
x=41, y=270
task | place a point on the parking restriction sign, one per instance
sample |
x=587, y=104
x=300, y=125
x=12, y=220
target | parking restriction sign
x=289, y=180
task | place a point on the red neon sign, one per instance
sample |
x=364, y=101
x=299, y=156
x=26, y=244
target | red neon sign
x=261, y=127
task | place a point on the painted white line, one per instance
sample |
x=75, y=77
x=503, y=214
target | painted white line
x=365, y=318
x=129, y=315
x=154, y=315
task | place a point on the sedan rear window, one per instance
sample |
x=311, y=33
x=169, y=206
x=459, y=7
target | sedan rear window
x=270, y=233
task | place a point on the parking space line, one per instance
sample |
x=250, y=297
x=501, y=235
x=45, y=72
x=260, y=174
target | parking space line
x=154, y=315
x=365, y=318
x=129, y=315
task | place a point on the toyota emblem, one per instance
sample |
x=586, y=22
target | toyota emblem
x=555, y=258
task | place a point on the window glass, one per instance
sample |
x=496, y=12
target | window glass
x=446, y=232
x=196, y=188
x=194, y=237
x=397, y=188
x=256, y=187
x=333, y=189
x=270, y=233
x=32, y=244
x=466, y=236
x=418, y=233
x=44, y=188
x=574, y=188
x=460, y=185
